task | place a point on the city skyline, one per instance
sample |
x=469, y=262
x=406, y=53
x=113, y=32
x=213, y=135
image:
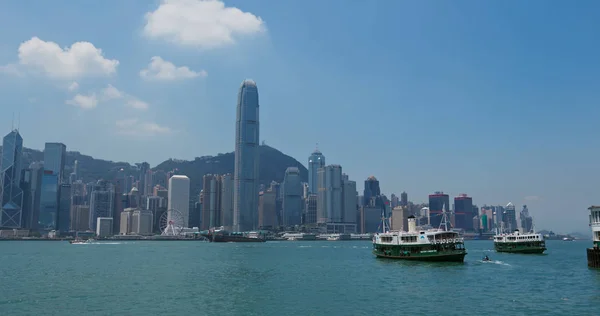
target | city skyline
x=498, y=104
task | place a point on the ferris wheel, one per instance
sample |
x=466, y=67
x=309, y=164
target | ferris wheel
x=171, y=223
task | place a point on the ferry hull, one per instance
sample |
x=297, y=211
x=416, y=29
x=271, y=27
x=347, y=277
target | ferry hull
x=443, y=257
x=519, y=249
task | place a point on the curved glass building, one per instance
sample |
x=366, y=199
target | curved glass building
x=245, y=189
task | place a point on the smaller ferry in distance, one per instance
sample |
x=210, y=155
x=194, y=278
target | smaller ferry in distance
x=516, y=242
x=420, y=245
x=568, y=238
x=220, y=235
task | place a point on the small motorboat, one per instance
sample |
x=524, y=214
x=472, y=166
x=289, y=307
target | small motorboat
x=486, y=258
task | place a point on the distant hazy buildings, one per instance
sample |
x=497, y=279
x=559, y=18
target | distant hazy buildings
x=526, y=220
x=179, y=196
x=245, y=211
x=10, y=171
x=292, y=190
x=403, y=199
x=510, y=217
x=315, y=161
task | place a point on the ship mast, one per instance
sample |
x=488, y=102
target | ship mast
x=444, y=221
x=384, y=227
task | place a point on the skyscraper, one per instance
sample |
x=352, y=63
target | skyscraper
x=55, y=155
x=371, y=189
x=54, y=165
x=463, y=212
x=245, y=197
x=315, y=161
x=101, y=202
x=227, y=201
x=211, y=202
x=438, y=201
x=10, y=170
x=330, y=197
x=350, y=208
x=292, y=197
x=179, y=197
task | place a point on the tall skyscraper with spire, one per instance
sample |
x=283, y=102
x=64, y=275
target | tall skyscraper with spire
x=315, y=161
x=11, y=199
x=245, y=189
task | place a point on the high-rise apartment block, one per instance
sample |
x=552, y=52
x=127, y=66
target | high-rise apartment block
x=179, y=196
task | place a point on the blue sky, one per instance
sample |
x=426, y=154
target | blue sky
x=495, y=99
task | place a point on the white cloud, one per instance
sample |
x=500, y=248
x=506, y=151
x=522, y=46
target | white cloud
x=73, y=86
x=11, y=70
x=137, y=104
x=160, y=69
x=107, y=94
x=135, y=127
x=200, y=23
x=84, y=101
x=110, y=92
x=80, y=60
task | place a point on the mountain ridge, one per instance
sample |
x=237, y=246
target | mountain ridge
x=272, y=166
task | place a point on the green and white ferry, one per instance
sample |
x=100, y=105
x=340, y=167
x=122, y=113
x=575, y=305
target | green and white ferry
x=520, y=243
x=421, y=245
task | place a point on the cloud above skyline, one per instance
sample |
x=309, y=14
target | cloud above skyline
x=86, y=102
x=138, y=128
x=199, y=23
x=81, y=59
x=162, y=70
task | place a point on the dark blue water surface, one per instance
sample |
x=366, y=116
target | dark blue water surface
x=288, y=278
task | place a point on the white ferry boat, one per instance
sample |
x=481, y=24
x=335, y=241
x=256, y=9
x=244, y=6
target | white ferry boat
x=520, y=243
x=423, y=245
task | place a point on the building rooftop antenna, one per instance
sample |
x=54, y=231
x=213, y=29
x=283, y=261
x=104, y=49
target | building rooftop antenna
x=18, y=121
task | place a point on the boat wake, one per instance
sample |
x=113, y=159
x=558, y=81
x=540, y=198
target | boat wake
x=494, y=262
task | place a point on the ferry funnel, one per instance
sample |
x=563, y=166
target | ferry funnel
x=412, y=224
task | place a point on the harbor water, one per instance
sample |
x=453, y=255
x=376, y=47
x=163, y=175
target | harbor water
x=288, y=278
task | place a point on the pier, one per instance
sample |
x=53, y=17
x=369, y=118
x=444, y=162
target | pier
x=593, y=254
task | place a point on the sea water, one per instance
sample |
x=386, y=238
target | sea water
x=288, y=278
